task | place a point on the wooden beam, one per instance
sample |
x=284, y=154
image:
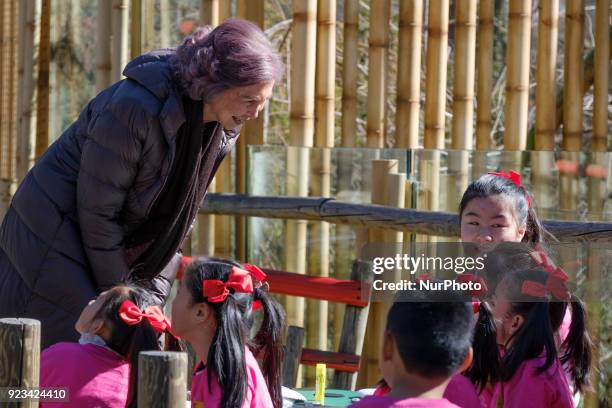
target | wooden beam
x=338, y=361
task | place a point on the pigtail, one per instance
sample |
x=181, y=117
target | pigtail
x=226, y=359
x=267, y=344
x=144, y=338
x=535, y=231
x=485, y=367
x=577, y=347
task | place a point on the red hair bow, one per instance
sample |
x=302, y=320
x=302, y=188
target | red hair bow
x=239, y=280
x=476, y=306
x=514, y=177
x=555, y=282
x=468, y=277
x=259, y=277
x=132, y=315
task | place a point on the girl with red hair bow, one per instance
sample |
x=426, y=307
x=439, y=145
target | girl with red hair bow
x=213, y=311
x=102, y=368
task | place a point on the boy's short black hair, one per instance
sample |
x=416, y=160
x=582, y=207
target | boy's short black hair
x=432, y=330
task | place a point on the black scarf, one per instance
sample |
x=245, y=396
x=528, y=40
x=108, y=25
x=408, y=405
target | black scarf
x=199, y=151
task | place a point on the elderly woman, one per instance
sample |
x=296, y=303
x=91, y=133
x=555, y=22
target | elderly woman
x=115, y=196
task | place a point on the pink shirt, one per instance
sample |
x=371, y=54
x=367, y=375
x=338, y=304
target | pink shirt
x=94, y=375
x=257, y=394
x=388, y=402
x=461, y=391
x=527, y=389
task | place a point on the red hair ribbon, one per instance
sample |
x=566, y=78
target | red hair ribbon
x=514, y=177
x=424, y=277
x=216, y=290
x=475, y=306
x=132, y=315
x=259, y=277
x=557, y=278
x=468, y=277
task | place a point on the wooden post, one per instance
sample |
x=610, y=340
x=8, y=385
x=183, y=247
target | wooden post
x=29, y=14
x=162, y=379
x=573, y=76
x=546, y=93
x=377, y=72
x=409, y=74
x=517, y=88
x=119, y=48
x=349, y=73
x=44, y=61
x=353, y=328
x=136, y=28
x=594, y=299
x=103, y=46
x=600, y=88
x=253, y=131
x=435, y=89
x=485, y=74
x=463, y=90
x=20, y=355
x=293, y=353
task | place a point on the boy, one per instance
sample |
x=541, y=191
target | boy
x=428, y=339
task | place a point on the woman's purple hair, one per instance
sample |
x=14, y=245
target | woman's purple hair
x=235, y=53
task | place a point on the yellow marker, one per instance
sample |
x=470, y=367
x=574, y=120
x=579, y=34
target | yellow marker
x=320, y=385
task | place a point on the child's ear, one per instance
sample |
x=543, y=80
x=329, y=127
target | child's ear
x=520, y=232
x=467, y=361
x=517, y=322
x=97, y=327
x=202, y=312
x=388, y=346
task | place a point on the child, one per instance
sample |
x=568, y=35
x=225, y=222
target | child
x=427, y=340
x=102, y=369
x=213, y=312
x=517, y=320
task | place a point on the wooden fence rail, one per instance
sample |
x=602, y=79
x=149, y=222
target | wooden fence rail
x=377, y=216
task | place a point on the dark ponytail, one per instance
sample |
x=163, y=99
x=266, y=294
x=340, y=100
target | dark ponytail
x=485, y=367
x=267, y=343
x=577, y=346
x=129, y=340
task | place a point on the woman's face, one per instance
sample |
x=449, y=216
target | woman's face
x=490, y=220
x=234, y=106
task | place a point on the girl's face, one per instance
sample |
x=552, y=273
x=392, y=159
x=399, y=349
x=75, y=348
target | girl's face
x=506, y=322
x=186, y=315
x=87, y=322
x=490, y=220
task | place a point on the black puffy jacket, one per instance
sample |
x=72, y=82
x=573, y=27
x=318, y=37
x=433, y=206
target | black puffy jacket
x=61, y=241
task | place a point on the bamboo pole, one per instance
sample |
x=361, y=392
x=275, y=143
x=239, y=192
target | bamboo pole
x=485, y=74
x=42, y=99
x=209, y=12
x=136, y=28
x=103, y=46
x=546, y=93
x=602, y=64
x=119, y=48
x=435, y=89
x=325, y=82
x=594, y=300
x=573, y=75
x=148, y=21
x=225, y=10
x=463, y=90
x=13, y=90
x=5, y=84
x=349, y=73
x=517, y=86
x=252, y=132
x=29, y=40
x=409, y=74
x=377, y=72
x=164, y=23
x=301, y=123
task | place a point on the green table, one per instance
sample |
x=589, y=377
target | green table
x=333, y=398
